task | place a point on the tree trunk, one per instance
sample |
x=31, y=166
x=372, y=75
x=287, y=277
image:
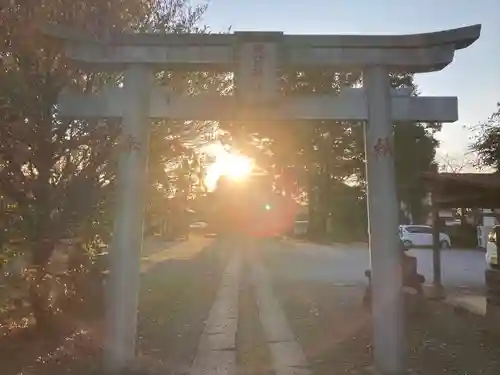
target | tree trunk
x=417, y=212
x=463, y=216
x=311, y=225
x=42, y=311
x=39, y=289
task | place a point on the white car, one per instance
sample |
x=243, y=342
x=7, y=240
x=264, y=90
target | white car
x=421, y=235
x=491, y=248
x=198, y=225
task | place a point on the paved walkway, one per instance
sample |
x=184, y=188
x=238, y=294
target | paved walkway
x=156, y=251
x=218, y=351
x=217, y=348
x=474, y=303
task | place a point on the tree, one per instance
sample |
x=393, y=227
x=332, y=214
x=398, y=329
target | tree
x=322, y=154
x=59, y=175
x=450, y=164
x=487, y=142
x=54, y=172
x=415, y=150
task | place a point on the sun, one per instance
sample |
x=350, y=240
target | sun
x=232, y=165
x=237, y=167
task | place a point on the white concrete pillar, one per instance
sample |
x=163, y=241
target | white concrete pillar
x=383, y=224
x=123, y=284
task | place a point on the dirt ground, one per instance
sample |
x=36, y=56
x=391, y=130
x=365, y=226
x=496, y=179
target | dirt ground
x=176, y=295
x=178, y=288
x=335, y=333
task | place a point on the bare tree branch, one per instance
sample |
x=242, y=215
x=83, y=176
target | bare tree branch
x=451, y=164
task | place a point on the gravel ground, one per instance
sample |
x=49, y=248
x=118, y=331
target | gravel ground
x=335, y=333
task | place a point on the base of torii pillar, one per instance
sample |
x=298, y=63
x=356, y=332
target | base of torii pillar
x=371, y=370
x=436, y=292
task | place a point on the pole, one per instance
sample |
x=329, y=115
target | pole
x=123, y=287
x=385, y=254
x=436, y=251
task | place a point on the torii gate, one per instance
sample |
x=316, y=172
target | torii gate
x=256, y=58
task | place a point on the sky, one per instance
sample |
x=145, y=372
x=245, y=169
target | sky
x=474, y=75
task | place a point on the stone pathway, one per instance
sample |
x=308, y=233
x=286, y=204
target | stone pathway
x=218, y=349
x=474, y=303
x=287, y=355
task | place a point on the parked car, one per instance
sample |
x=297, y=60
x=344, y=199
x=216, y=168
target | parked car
x=491, y=248
x=421, y=236
x=300, y=227
x=198, y=226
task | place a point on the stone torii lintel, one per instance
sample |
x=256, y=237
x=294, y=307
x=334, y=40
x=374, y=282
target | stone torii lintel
x=410, y=53
x=350, y=104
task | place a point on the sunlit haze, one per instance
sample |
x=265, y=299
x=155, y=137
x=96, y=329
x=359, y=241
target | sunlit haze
x=474, y=75
x=227, y=163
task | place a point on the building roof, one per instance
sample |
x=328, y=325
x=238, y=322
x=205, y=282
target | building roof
x=472, y=190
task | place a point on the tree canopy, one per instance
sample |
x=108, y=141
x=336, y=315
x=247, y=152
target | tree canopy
x=487, y=141
x=57, y=176
x=324, y=160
